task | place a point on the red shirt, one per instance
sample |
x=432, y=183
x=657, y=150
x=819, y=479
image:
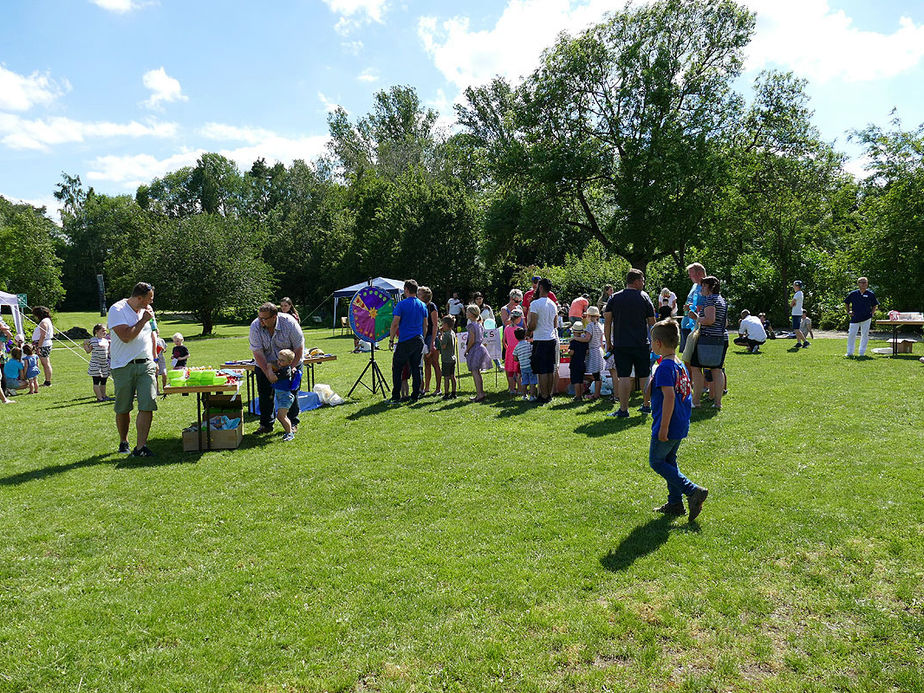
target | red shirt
x=578, y=307
x=528, y=297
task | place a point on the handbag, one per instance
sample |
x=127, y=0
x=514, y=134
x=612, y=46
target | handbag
x=690, y=346
x=709, y=350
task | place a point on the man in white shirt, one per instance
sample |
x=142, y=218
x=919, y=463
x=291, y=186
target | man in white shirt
x=751, y=332
x=796, y=305
x=456, y=308
x=543, y=318
x=134, y=371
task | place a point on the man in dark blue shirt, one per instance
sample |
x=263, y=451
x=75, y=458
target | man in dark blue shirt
x=861, y=303
x=408, y=326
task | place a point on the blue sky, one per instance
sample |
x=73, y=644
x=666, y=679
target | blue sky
x=121, y=91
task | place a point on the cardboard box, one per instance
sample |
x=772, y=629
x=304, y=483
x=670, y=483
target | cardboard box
x=905, y=346
x=221, y=440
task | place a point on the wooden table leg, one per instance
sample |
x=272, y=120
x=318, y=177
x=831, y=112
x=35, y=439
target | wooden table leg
x=199, y=420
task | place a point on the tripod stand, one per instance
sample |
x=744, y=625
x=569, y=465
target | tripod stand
x=378, y=380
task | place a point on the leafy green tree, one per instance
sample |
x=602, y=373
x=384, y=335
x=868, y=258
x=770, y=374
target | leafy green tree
x=28, y=263
x=207, y=264
x=621, y=129
x=788, y=206
x=891, y=248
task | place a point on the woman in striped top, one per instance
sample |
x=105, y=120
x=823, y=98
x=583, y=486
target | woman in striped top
x=98, y=348
x=711, y=314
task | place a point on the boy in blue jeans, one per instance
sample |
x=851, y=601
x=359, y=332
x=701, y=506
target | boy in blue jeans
x=671, y=404
x=283, y=392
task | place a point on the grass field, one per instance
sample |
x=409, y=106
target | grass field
x=454, y=546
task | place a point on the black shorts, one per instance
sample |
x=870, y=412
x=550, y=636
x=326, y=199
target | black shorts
x=577, y=375
x=448, y=368
x=543, y=358
x=99, y=380
x=627, y=358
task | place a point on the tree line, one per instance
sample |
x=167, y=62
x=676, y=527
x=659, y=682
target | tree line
x=627, y=146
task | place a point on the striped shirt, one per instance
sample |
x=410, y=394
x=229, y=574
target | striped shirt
x=99, y=357
x=716, y=329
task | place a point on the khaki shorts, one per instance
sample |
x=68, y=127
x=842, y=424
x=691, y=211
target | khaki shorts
x=135, y=378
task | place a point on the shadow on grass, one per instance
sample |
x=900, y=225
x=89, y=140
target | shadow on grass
x=607, y=425
x=371, y=409
x=78, y=402
x=163, y=456
x=643, y=540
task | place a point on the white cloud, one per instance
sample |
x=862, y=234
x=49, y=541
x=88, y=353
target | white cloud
x=368, y=75
x=858, y=166
x=329, y=105
x=40, y=134
x=164, y=88
x=442, y=105
x=52, y=205
x=20, y=93
x=356, y=13
x=512, y=47
x=132, y=170
x=822, y=44
x=807, y=36
x=121, y=6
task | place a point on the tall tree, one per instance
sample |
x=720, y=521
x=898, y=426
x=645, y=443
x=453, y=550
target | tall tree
x=28, y=263
x=621, y=129
x=892, y=246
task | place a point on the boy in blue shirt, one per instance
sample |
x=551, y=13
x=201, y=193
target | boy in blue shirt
x=671, y=404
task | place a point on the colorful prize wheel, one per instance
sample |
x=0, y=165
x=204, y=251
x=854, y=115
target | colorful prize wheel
x=371, y=314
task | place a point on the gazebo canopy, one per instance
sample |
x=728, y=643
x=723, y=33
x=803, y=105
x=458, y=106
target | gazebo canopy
x=392, y=286
x=12, y=301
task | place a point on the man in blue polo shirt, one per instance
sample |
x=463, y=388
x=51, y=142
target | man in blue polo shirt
x=408, y=326
x=861, y=303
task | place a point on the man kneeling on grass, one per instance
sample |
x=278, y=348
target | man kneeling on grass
x=671, y=404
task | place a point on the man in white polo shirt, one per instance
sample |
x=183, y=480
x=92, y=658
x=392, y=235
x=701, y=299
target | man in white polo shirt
x=131, y=354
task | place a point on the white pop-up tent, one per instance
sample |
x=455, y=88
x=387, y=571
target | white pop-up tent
x=12, y=301
x=392, y=286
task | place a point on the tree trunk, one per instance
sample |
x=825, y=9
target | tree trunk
x=207, y=322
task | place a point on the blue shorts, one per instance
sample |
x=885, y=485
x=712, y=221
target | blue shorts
x=527, y=377
x=796, y=322
x=284, y=399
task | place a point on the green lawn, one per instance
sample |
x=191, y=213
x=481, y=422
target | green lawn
x=453, y=546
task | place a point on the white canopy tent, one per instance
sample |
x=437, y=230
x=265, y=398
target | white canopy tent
x=12, y=301
x=392, y=286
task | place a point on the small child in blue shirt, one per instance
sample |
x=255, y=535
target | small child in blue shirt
x=31, y=362
x=284, y=396
x=671, y=406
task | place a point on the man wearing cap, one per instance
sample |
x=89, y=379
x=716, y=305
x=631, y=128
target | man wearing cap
x=796, y=305
x=860, y=303
x=628, y=316
x=270, y=333
x=542, y=327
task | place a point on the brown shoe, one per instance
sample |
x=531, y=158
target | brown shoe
x=675, y=509
x=695, y=501
x=263, y=429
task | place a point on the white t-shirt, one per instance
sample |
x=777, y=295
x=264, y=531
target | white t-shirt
x=670, y=300
x=49, y=332
x=455, y=306
x=797, y=309
x=752, y=328
x=547, y=312
x=120, y=353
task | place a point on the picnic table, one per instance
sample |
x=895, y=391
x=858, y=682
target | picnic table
x=896, y=324
x=250, y=367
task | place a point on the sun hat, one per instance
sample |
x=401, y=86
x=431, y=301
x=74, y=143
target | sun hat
x=577, y=326
x=592, y=310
